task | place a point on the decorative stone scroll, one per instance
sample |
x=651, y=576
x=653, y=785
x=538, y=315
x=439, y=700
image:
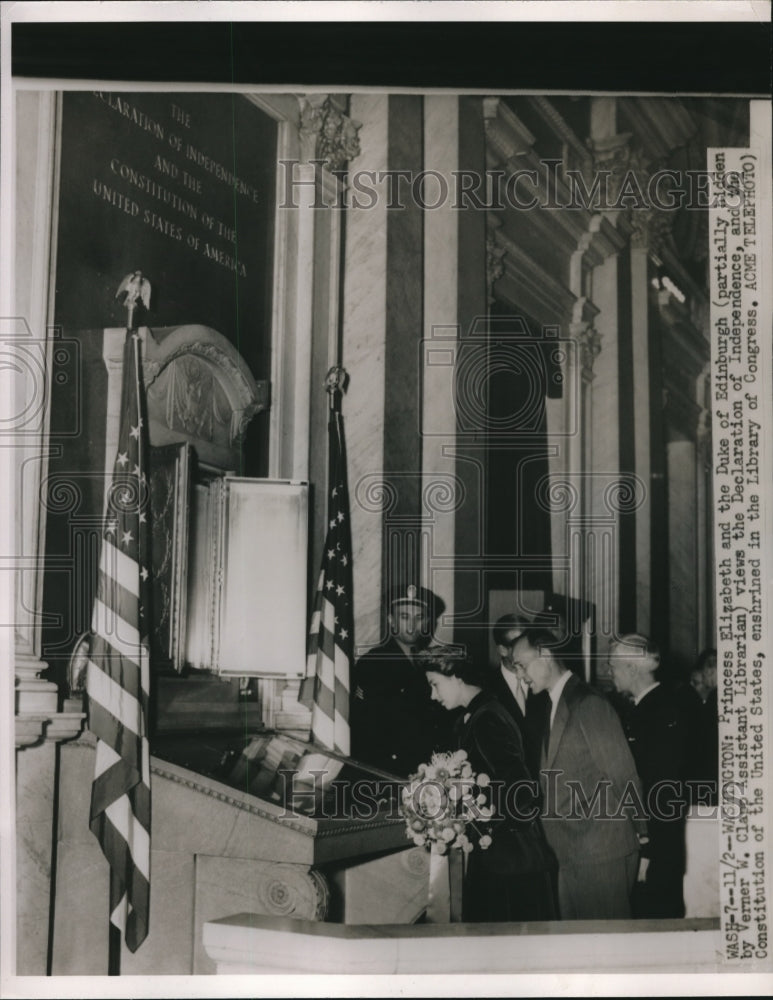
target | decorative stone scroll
x=587, y=337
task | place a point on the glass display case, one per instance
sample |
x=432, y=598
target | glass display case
x=301, y=778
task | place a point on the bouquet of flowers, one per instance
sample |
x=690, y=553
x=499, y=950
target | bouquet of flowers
x=442, y=803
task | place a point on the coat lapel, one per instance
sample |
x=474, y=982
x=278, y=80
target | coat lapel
x=502, y=690
x=560, y=721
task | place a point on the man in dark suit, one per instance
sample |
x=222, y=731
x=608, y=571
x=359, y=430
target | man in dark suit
x=592, y=811
x=395, y=725
x=703, y=680
x=658, y=737
x=527, y=710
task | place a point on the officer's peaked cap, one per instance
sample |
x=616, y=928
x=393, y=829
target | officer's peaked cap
x=410, y=593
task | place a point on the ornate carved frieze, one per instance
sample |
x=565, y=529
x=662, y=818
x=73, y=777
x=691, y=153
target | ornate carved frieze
x=327, y=133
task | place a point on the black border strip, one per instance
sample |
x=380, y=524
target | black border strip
x=681, y=57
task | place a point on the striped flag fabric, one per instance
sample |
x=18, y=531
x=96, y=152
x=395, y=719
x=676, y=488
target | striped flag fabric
x=330, y=651
x=118, y=672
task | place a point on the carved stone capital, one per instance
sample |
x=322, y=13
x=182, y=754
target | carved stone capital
x=650, y=228
x=613, y=156
x=629, y=173
x=327, y=133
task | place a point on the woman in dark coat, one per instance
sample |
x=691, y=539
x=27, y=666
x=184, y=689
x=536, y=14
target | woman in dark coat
x=514, y=878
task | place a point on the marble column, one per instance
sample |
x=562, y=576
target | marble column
x=364, y=341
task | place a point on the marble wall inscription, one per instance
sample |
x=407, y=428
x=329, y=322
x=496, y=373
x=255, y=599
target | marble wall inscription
x=180, y=186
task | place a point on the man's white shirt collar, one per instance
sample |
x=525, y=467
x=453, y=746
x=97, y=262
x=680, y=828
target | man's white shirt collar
x=645, y=692
x=514, y=683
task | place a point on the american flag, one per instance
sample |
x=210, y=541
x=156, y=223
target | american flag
x=325, y=689
x=118, y=675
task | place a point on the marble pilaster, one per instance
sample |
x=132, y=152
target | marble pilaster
x=603, y=571
x=641, y=417
x=28, y=339
x=441, y=334
x=682, y=550
x=34, y=838
x=364, y=337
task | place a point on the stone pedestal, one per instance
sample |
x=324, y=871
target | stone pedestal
x=217, y=850
x=701, y=880
x=247, y=943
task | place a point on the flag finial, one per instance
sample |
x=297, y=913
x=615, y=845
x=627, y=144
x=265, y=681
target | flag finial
x=336, y=380
x=135, y=287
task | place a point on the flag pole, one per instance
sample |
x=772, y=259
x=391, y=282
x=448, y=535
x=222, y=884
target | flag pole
x=113, y=947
